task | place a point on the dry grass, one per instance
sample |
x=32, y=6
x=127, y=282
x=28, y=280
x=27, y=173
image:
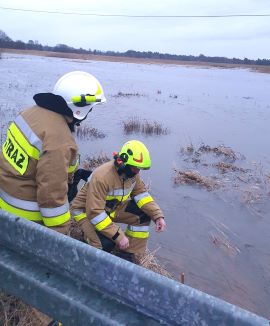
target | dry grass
x=149, y=260
x=15, y=312
x=85, y=133
x=252, y=194
x=192, y=177
x=128, y=95
x=136, y=125
x=247, y=181
x=228, y=167
x=221, y=237
x=133, y=125
x=227, y=152
x=92, y=162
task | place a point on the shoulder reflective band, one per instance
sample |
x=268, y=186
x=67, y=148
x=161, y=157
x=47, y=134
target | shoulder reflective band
x=141, y=232
x=14, y=154
x=22, y=208
x=21, y=143
x=142, y=199
x=101, y=221
x=55, y=216
x=78, y=215
x=83, y=100
x=25, y=136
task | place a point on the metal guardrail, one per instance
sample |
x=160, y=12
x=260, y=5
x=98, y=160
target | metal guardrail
x=80, y=285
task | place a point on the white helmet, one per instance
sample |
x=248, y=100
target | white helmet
x=81, y=91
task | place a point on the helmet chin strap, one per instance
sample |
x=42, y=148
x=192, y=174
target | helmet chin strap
x=77, y=122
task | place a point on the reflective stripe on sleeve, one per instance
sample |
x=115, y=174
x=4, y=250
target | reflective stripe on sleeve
x=57, y=220
x=141, y=232
x=22, y=208
x=55, y=211
x=143, y=198
x=29, y=215
x=78, y=215
x=101, y=221
x=19, y=203
x=55, y=216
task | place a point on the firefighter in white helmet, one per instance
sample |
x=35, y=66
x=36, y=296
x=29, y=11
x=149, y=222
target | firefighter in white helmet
x=39, y=154
x=115, y=193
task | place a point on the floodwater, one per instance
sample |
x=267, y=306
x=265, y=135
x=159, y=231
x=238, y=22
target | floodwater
x=220, y=238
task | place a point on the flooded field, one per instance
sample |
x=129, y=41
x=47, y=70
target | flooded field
x=217, y=123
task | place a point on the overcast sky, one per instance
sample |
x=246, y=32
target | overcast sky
x=231, y=37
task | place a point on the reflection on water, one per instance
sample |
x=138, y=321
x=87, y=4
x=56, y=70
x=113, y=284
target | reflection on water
x=220, y=242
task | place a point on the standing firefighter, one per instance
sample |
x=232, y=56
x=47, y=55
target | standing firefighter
x=39, y=155
x=115, y=193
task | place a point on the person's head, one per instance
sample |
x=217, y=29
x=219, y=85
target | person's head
x=133, y=157
x=81, y=91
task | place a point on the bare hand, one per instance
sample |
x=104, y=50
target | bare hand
x=160, y=224
x=124, y=243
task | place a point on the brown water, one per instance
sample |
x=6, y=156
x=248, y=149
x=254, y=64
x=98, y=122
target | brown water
x=219, y=240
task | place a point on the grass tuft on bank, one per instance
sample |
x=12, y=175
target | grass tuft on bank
x=139, y=126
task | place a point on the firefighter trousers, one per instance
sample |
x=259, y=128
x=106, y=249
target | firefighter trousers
x=137, y=230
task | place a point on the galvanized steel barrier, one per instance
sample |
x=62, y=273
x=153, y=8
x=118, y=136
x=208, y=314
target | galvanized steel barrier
x=79, y=285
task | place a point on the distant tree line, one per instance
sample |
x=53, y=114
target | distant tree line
x=7, y=42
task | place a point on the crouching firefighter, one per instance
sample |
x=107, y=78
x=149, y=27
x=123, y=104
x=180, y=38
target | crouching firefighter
x=39, y=154
x=115, y=193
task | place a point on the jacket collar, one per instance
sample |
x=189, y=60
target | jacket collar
x=54, y=103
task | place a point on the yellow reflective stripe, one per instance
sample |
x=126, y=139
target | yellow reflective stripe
x=99, y=91
x=72, y=168
x=29, y=215
x=23, y=142
x=88, y=99
x=120, y=198
x=103, y=224
x=136, y=234
x=144, y=201
x=79, y=217
x=57, y=220
x=14, y=154
x=112, y=214
x=91, y=98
